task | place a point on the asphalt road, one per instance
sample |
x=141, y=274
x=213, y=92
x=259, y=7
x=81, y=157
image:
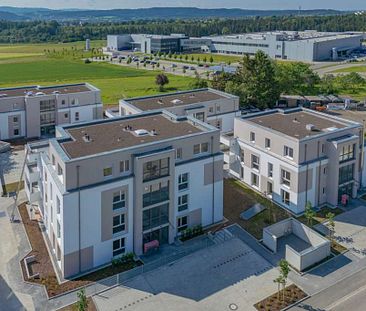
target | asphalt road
x=340, y=296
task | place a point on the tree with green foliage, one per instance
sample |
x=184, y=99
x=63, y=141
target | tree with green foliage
x=279, y=282
x=82, y=303
x=198, y=83
x=330, y=224
x=186, y=57
x=328, y=85
x=255, y=82
x=225, y=31
x=211, y=59
x=192, y=58
x=351, y=81
x=198, y=59
x=161, y=80
x=221, y=80
x=284, y=270
x=204, y=59
x=309, y=213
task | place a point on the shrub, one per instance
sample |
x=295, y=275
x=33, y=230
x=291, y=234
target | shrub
x=87, y=61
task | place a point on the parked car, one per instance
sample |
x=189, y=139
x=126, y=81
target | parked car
x=192, y=68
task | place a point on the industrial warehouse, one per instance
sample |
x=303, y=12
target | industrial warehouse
x=308, y=45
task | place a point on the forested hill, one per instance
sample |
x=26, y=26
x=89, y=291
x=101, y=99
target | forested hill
x=53, y=31
x=146, y=13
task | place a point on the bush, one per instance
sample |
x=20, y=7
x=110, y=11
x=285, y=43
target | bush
x=87, y=61
x=126, y=258
x=190, y=233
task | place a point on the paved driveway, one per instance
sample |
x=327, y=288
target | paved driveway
x=350, y=230
x=210, y=279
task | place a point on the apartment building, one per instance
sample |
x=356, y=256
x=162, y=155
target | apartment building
x=34, y=111
x=297, y=156
x=108, y=187
x=207, y=105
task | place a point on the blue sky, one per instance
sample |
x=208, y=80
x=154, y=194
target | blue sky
x=245, y=4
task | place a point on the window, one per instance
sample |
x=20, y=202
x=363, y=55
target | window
x=323, y=148
x=269, y=188
x=178, y=153
x=218, y=108
x=119, y=200
x=346, y=174
x=183, y=181
x=347, y=153
x=124, y=166
x=58, y=230
x=119, y=224
x=76, y=116
x=156, y=193
x=63, y=102
x=183, y=203
x=182, y=223
x=59, y=170
x=51, y=192
x=285, y=196
x=58, y=205
x=324, y=170
x=107, y=171
x=16, y=132
x=255, y=180
x=270, y=170
x=51, y=209
x=288, y=152
x=73, y=101
x=210, y=109
x=118, y=247
x=156, y=169
x=200, y=148
x=15, y=119
x=267, y=143
x=255, y=162
x=53, y=160
x=252, y=137
x=200, y=116
x=66, y=115
x=241, y=152
x=155, y=217
x=285, y=178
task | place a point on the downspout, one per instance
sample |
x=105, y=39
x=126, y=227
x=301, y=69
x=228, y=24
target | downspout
x=213, y=182
x=79, y=213
x=306, y=175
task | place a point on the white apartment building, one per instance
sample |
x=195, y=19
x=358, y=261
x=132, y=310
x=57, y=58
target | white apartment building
x=108, y=187
x=214, y=107
x=297, y=156
x=34, y=111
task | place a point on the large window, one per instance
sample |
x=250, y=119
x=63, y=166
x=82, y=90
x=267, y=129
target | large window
x=255, y=180
x=119, y=200
x=346, y=174
x=119, y=247
x=156, y=169
x=45, y=105
x=182, y=223
x=285, y=178
x=285, y=196
x=200, y=116
x=156, y=193
x=200, y=148
x=183, y=181
x=288, y=152
x=255, y=162
x=155, y=217
x=119, y=223
x=347, y=153
x=183, y=202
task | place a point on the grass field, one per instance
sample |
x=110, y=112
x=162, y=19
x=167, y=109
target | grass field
x=48, y=64
x=358, y=68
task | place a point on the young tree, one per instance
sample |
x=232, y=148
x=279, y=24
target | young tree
x=82, y=303
x=186, y=57
x=330, y=224
x=285, y=270
x=279, y=281
x=161, y=80
x=211, y=59
x=205, y=59
x=192, y=58
x=309, y=213
x=198, y=83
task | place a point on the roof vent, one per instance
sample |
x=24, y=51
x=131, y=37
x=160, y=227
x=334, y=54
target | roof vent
x=141, y=132
x=310, y=127
x=87, y=138
x=295, y=120
x=40, y=93
x=176, y=101
x=331, y=129
x=160, y=102
x=3, y=95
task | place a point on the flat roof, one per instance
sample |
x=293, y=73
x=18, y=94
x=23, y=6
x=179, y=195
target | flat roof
x=174, y=99
x=124, y=132
x=294, y=123
x=48, y=90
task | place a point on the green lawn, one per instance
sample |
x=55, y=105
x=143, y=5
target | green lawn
x=356, y=68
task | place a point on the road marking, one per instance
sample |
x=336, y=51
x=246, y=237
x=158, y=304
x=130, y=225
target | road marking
x=345, y=298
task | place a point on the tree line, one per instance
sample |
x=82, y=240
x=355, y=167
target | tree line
x=53, y=31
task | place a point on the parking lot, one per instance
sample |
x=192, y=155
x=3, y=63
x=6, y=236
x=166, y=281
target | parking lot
x=227, y=274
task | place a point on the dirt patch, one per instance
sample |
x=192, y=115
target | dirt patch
x=276, y=302
x=74, y=307
x=239, y=198
x=43, y=265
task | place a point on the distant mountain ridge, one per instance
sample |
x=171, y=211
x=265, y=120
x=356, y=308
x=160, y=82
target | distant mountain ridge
x=22, y=14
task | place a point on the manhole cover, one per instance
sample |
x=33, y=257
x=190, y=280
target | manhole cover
x=233, y=306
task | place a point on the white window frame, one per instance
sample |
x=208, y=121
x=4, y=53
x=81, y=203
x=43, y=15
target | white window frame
x=285, y=178
x=124, y=166
x=252, y=176
x=288, y=152
x=267, y=143
x=121, y=249
x=105, y=170
x=181, y=182
x=255, y=164
x=252, y=137
x=183, y=203
x=270, y=170
x=122, y=199
x=179, y=153
x=285, y=201
x=121, y=226
x=182, y=225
